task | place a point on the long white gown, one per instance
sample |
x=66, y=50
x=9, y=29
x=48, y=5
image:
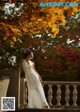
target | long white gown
x=36, y=96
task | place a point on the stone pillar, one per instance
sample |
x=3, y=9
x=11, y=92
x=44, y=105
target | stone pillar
x=4, y=83
x=14, y=87
x=22, y=92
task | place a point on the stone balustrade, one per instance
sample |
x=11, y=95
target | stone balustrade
x=62, y=93
x=65, y=90
x=58, y=93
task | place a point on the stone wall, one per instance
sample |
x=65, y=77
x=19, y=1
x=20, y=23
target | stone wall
x=4, y=83
x=10, y=85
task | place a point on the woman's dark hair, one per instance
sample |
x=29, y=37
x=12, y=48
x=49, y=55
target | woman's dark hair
x=26, y=54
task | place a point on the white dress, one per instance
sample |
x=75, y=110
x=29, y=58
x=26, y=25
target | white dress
x=36, y=96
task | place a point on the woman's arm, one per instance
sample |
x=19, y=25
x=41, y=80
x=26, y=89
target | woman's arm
x=21, y=69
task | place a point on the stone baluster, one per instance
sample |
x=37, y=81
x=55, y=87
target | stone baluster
x=67, y=92
x=26, y=93
x=50, y=94
x=58, y=95
x=75, y=95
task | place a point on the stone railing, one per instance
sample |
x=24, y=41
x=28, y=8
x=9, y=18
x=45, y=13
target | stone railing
x=62, y=93
x=65, y=92
x=58, y=93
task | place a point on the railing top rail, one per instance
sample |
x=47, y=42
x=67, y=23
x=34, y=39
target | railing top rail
x=62, y=82
x=8, y=72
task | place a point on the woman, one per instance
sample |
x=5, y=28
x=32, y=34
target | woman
x=36, y=96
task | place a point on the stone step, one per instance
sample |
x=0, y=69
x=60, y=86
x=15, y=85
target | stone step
x=40, y=110
x=48, y=110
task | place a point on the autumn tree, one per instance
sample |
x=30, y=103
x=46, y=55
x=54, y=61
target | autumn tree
x=28, y=17
x=27, y=25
